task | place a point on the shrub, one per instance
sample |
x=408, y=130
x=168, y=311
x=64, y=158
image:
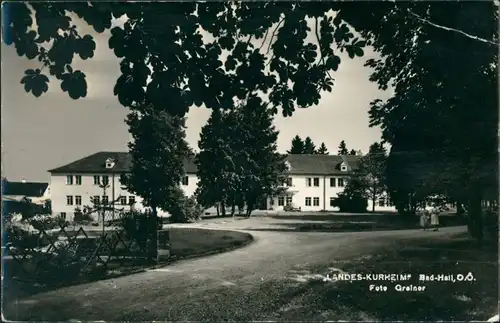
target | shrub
x=491, y=223
x=352, y=203
x=184, y=209
x=47, y=222
x=138, y=226
x=192, y=210
x=82, y=217
x=25, y=233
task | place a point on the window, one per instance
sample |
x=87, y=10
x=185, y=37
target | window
x=308, y=201
x=185, y=180
x=333, y=182
x=105, y=180
x=78, y=200
x=69, y=200
x=97, y=180
x=316, y=201
x=332, y=201
x=289, y=182
x=131, y=200
x=341, y=182
x=110, y=163
x=105, y=199
x=381, y=202
x=78, y=179
x=308, y=181
x=343, y=168
x=96, y=200
x=63, y=215
x=316, y=181
x=123, y=200
x=289, y=200
x=281, y=200
x=69, y=180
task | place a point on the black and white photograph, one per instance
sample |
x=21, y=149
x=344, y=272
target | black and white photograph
x=250, y=161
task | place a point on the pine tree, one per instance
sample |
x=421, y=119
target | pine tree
x=309, y=147
x=343, y=148
x=215, y=161
x=158, y=152
x=353, y=152
x=263, y=168
x=322, y=149
x=297, y=146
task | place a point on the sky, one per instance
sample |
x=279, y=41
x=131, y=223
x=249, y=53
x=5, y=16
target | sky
x=39, y=134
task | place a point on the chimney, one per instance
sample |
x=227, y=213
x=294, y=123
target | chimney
x=23, y=180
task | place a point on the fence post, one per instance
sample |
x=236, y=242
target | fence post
x=163, y=244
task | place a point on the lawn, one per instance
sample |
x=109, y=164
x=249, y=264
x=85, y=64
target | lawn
x=331, y=222
x=192, y=242
x=316, y=299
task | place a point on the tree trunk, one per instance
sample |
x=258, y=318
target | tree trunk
x=223, y=208
x=154, y=235
x=218, y=209
x=474, y=217
x=233, y=209
x=249, y=211
x=374, y=197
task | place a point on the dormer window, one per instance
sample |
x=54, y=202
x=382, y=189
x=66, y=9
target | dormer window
x=343, y=168
x=110, y=163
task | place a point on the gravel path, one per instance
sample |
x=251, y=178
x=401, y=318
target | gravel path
x=245, y=284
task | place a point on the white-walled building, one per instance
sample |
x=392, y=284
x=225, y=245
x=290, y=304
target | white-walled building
x=314, y=181
x=33, y=192
x=77, y=184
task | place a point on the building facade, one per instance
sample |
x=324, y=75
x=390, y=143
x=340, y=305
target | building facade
x=314, y=182
x=96, y=179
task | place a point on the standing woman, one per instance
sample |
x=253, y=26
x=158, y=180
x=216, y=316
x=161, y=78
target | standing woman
x=424, y=220
x=435, y=219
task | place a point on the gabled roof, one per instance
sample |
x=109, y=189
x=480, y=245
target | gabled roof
x=96, y=163
x=32, y=189
x=299, y=164
x=351, y=161
x=321, y=164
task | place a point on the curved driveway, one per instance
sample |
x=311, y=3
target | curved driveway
x=245, y=284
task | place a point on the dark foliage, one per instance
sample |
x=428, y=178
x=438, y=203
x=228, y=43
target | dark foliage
x=351, y=202
x=158, y=152
x=322, y=149
x=297, y=146
x=151, y=36
x=238, y=163
x=139, y=227
x=309, y=146
x=81, y=217
x=216, y=168
x=184, y=209
x=342, y=150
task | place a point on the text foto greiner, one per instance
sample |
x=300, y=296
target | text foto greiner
x=398, y=288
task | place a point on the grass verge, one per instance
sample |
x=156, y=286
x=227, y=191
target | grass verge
x=193, y=242
x=477, y=300
x=359, y=222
